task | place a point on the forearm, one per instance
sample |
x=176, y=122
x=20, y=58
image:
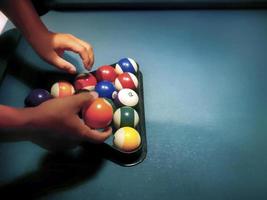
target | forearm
x=15, y=118
x=24, y=16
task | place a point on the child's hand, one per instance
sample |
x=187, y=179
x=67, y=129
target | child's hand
x=61, y=117
x=51, y=46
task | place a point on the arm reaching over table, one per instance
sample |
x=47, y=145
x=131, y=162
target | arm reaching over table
x=59, y=118
x=49, y=45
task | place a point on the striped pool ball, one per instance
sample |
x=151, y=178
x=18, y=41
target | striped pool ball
x=125, y=116
x=62, y=89
x=126, y=65
x=126, y=80
x=85, y=81
x=127, y=139
x=126, y=97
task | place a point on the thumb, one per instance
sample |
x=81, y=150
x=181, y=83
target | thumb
x=85, y=133
x=84, y=99
x=95, y=136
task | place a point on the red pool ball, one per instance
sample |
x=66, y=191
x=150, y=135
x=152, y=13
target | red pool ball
x=99, y=114
x=85, y=81
x=106, y=73
x=126, y=80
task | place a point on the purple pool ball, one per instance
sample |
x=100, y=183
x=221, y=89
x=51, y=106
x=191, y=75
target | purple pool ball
x=36, y=97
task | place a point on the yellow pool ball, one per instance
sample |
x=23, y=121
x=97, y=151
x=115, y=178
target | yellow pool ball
x=127, y=139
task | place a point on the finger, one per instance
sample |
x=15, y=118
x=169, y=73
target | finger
x=89, y=50
x=92, y=61
x=86, y=133
x=78, y=48
x=60, y=52
x=62, y=64
x=88, y=46
x=82, y=99
x=96, y=136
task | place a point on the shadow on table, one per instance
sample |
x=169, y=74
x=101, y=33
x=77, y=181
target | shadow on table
x=57, y=172
x=26, y=66
x=35, y=77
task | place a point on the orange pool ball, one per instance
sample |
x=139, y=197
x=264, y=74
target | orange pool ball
x=99, y=114
x=62, y=89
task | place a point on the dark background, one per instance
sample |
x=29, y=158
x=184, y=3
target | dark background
x=205, y=101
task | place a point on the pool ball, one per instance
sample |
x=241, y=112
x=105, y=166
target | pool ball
x=127, y=139
x=106, y=73
x=85, y=81
x=126, y=65
x=62, y=89
x=125, y=116
x=111, y=103
x=81, y=91
x=105, y=89
x=126, y=80
x=126, y=97
x=98, y=114
x=36, y=97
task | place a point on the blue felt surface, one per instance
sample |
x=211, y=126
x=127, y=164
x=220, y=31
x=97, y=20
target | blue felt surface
x=205, y=102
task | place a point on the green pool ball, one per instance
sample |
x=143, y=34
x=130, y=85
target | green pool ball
x=125, y=116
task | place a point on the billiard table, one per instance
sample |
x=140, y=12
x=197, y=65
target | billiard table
x=205, y=98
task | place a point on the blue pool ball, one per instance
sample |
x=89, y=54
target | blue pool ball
x=105, y=89
x=36, y=97
x=126, y=65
